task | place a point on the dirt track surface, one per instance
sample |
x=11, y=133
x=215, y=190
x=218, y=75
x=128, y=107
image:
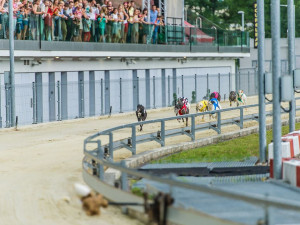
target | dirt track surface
x=39, y=165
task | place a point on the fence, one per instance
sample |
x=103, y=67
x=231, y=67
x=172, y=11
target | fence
x=58, y=29
x=55, y=96
x=99, y=152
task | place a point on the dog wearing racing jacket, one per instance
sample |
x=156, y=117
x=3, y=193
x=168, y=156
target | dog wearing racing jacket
x=202, y=106
x=232, y=98
x=241, y=98
x=141, y=114
x=214, y=105
x=182, y=108
x=215, y=95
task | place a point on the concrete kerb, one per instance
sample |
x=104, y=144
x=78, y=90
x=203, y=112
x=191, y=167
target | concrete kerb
x=141, y=159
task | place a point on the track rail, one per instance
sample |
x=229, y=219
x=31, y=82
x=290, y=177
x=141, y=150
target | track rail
x=102, y=156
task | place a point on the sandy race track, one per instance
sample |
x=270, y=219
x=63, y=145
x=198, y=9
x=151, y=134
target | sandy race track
x=39, y=165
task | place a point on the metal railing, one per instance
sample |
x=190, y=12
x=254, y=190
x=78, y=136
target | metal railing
x=103, y=156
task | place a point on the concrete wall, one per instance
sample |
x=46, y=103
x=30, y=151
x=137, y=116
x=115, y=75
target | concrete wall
x=251, y=62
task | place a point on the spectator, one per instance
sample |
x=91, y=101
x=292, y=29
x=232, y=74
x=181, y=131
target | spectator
x=157, y=23
x=146, y=24
x=102, y=23
x=153, y=17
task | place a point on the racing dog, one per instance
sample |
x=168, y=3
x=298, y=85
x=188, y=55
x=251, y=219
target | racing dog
x=202, y=106
x=213, y=105
x=184, y=101
x=215, y=95
x=181, y=109
x=141, y=114
x=232, y=97
x=241, y=98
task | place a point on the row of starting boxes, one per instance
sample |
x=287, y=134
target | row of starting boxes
x=290, y=149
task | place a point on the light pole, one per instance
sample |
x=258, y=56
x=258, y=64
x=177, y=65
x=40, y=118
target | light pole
x=243, y=19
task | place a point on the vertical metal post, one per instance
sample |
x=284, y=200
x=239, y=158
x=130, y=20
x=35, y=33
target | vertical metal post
x=182, y=86
x=100, y=156
x=207, y=84
x=163, y=87
x=239, y=88
x=261, y=81
x=124, y=178
x=102, y=110
x=0, y=105
x=7, y=105
x=149, y=8
x=120, y=95
x=153, y=92
x=81, y=97
x=229, y=82
x=219, y=83
x=111, y=146
x=33, y=103
x=219, y=122
x=248, y=82
x=162, y=133
x=169, y=90
x=107, y=91
x=58, y=102
x=196, y=88
x=133, y=140
x=148, y=104
x=134, y=89
x=175, y=82
x=241, y=118
x=291, y=57
x=138, y=90
x=275, y=27
x=11, y=63
x=193, y=127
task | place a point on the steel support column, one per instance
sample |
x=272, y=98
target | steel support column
x=174, y=82
x=92, y=94
x=291, y=57
x=134, y=89
x=261, y=71
x=12, y=63
x=276, y=70
x=107, y=91
x=64, y=95
x=147, y=74
x=163, y=87
x=81, y=94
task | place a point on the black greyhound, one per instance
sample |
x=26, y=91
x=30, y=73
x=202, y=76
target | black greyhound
x=141, y=114
x=232, y=97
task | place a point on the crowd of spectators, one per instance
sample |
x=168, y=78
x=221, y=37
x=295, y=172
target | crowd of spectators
x=81, y=20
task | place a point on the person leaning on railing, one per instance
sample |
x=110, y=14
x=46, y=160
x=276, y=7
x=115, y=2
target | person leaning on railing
x=158, y=23
x=102, y=20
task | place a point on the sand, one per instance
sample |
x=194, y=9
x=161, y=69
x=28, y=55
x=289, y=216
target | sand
x=39, y=165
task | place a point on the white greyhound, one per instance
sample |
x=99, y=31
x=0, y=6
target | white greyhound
x=241, y=98
x=202, y=106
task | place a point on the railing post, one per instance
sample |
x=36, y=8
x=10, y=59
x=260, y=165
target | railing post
x=153, y=92
x=133, y=140
x=249, y=83
x=169, y=92
x=138, y=90
x=193, y=127
x=182, y=86
x=111, y=146
x=219, y=122
x=34, y=103
x=100, y=156
x=58, y=102
x=229, y=82
x=219, y=83
x=102, y=97
x=196, y=87
x=120, y=95
x=124, y=177
x=163, y=133
x=7, y=105
x=241, y=118
x=207, y=84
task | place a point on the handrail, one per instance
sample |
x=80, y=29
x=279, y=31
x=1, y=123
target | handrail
x=98, y=160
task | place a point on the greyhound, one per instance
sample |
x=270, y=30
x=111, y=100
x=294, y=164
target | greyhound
x=241, y=98
x=141, y=114
x=202, y=106
x=232, y=98
x=181, y=109
x=215, y=95
x=214, y=105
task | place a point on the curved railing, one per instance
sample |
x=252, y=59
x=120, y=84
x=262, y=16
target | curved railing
x=98, y=156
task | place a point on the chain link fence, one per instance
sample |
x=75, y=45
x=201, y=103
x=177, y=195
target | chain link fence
x=45, y=97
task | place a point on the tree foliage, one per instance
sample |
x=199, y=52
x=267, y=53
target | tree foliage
x=225, y=14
